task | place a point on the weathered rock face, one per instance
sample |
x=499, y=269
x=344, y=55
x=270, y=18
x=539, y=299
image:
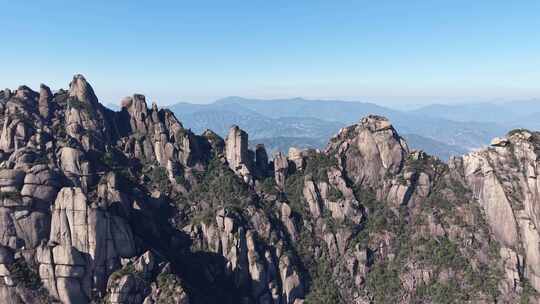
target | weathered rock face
x=131, y=207
x=69, y=217
x=503, y=179
x=45, y=97
x=79, y=231
x=139, y=119
x=370, y=150
x=82, y=91
x=274, y=279
x=239, y=158
x=131, y=284
x=261, y=161
x=156, y=135
x=85, y=117
x=15, y=132
x=371, y=209
x=63, y=215
x=237, y=148
x=281, y=167
x=41, y=184
x=374, y=156
x=297, y=157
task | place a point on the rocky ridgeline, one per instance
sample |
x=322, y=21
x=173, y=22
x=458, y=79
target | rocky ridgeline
x=504, y=181
x=98, y=206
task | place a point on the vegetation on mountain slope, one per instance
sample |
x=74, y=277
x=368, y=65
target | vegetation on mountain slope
x=131, y=207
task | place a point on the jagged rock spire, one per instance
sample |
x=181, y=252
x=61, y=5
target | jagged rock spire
x=261, y=160
x=138, y=113
x=237, y=147
x=45, y=96
x=5, y=94
x=85, y=120
x=82, y=90
x=25, y=93
x=238, y=155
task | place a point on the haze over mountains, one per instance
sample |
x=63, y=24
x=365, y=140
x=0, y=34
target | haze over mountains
x=442, y=130
x=517, y=113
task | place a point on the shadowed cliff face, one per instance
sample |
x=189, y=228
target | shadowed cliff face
x=130, y=207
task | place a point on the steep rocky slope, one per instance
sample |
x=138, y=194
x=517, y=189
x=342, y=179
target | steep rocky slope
x=503, y=179
x=98, y=206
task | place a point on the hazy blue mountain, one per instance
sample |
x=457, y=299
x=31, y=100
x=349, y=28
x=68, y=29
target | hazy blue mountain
x=112, y=106
x=190, y=108
x=530, y=121
x=523, y=107
x=283, y=143
x=484, y=112
x=282, y=123
x=220, y=118
x=467, y=135
x=433, y=147
x=334, y=110
x=507, y=113
x=461, y=133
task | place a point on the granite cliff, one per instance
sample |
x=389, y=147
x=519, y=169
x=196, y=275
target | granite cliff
x=102, y=206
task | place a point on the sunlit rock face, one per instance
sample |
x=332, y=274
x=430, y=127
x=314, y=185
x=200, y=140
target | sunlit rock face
x=131, y=207
x=503, y=178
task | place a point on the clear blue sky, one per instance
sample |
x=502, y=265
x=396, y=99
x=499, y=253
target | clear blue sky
x=202, y=50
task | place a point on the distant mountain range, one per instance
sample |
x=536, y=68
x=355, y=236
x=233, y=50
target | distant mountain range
x=522, y=114
x=441, y=130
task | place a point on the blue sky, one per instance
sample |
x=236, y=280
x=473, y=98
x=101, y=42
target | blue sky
x=388, y=51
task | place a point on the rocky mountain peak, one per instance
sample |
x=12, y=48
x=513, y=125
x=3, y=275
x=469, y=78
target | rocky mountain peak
x=376, y=123
x=45, y=92
x=503, y=178
x=377, y=126
x=80, y=89
x=524, y=135
x=131, y=207
x=45, y=96
x=25, y=93
x=5, y=94
x=85, y=116
x=517, y=137
x=135, y=104
x=239, y=158
x=371, y=149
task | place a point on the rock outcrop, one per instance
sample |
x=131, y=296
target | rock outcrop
x=85, y=116
x=45, y=96
x=370, y=150
x=132, y=207
x=239, y=158
x=281, y=167
x=503, y=178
